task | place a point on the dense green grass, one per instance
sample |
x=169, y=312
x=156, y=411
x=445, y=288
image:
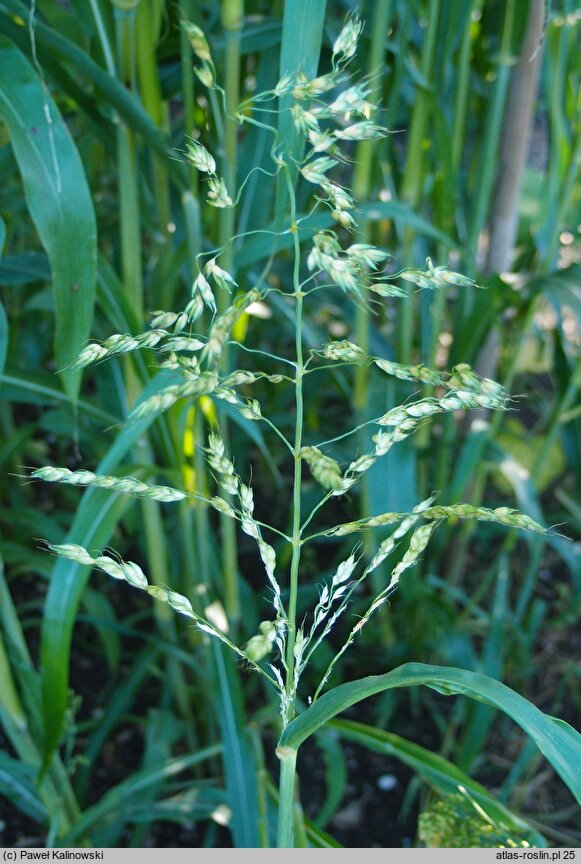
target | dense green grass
x=102, y=220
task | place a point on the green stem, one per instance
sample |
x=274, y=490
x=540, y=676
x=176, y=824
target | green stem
x=103, y=37
x=188, y=94
x=300, y=370
x=286, y=795
x=461, y=97
x=129, y=213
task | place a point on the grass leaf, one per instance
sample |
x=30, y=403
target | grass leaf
x=558, y=741
x=58, y=199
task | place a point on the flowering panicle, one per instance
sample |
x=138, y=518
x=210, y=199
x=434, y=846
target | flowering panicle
x=200, y=47
x=315, y=171
x=304, y=121
x=363, y=131
x=132, y=573
x=221, y=464
x=217, y=193
x=198, y=385
x=345, y=44
x=124, y=485
x=222, y=326
x=329, y=597
x=325, y=470
x=353, y=100
x=435, y=277
x=199, y=157
x=343, y=350
x=331, y=113
x=120, y=343
x=198, y=41
x=221, y=277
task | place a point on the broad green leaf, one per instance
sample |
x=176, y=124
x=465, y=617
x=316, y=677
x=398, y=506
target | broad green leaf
x=58, y=199
x=558, y=741
x=114, y=92
x=434, y=769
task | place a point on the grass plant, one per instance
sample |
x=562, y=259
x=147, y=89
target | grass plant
x=329, y=113
x=119, y=112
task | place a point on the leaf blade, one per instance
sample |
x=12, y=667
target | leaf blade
x=58, y=200
x=559, y=742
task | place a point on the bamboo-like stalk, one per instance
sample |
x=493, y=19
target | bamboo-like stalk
x=288, y=760
x=487, y=161
x=129, y=213
x=514, y=142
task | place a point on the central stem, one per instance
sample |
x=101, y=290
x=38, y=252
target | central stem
x=288, y=759
x=298, y=442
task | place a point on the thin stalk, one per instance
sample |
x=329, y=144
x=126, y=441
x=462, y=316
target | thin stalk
x=103, y=37
x=188, y=87
x=411, y=189
x=564, y=205
x=127, y=166
x=298, y=443
x=157, y=556
x=286, y=796
x=461, y=98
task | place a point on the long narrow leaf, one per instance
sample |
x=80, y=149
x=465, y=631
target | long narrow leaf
x=59, y=202
x=558, y=741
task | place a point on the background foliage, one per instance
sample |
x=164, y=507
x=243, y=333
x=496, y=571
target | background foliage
x=139, y=723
